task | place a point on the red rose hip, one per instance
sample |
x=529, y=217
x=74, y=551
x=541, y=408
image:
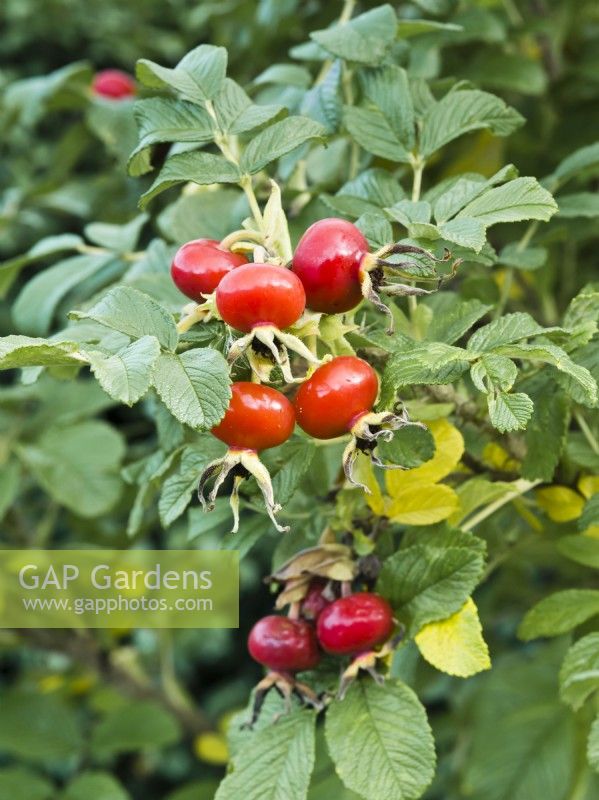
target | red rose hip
x=327, y=261
x=114, y=84
x=283, y=644
x=260, y=294
x=354, y=624
x=335, y=396
x=315, y=602
x=199, y=266
x=258, y=417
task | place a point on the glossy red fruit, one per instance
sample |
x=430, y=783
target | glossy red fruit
x=258, y=417
x=114, y=84
x=355, y=623
x=260, y=294
x=284, y=644
x=200, y=265
x=327, y=261
x=335, y=396
x=314, y=603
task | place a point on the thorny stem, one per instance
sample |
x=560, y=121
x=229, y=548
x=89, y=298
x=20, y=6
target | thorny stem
x=521, y=487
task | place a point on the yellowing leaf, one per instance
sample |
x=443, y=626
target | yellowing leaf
x=496, y=457
x=588, y=485
x=424, y=504
x=455, y=645
x=449, y=446
x=211, y=748
x=364, y=473
x=560, y=503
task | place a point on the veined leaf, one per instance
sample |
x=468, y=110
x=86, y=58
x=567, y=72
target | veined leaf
x=364, y=39
x=520, y=199
x=579, y=675
x=127, y=375
x=198, y=167
x=372, y=131
x=509, y=412
x=277, y=140
x=559, y=613
x=197, y=77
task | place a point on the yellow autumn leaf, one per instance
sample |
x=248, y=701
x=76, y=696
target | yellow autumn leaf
x=449, y=447
x=497, y=457
x=211, y=748
x=364, y=473
x=588, y=485
x=424, y=504
x=560, y=503
x=455, y=645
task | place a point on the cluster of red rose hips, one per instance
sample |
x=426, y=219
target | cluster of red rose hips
x=331, y=272
x=350, y=625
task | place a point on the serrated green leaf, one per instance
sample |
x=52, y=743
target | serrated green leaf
x=164, y=119
x=581, y=161
x=410, y=447
x=365, y=39
x=376, y=228
x=462, y=191
x=34, y=308
x=133, y=313
x=388, y=88
x=545, y=435
x=509, y=412
x=370, y=757
x=579, y=675
x=517, y=200
x=323, y=101
x=298, y=458
x=460, y=112
x=275, y=763
x=502, y=331
x=426, y=584
x=559, y=613
x=277, y=140
x=127, y=375
x=27, y=351
x=236, y=113
x=197, y=77
x=198, y=167
x=465, y=231
x=433, y=362
x=194, y=386
x=452, y=316
x=372, y=131
x=499, y=371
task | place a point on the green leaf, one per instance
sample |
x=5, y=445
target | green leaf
x=120, y=238
x=198, y=77
x=127, y=375
x=517, y=200
x=78, y=465
x=164, y=119
x=426, y=584
x=465, y=231
x=546, y=435
x=559, y=613
x=99, y=785
x=298, y=458
x=275, y=762
x=323, y=101
x=236, y=113
x=410, y=447
x=376, y=228
x=38, y=727
x=17, y=783
x=509, y=412
x=579, y=675
x=194, y=386
x=286, y=75
x=582, y=204
x=388, y=88
x=461, y=112
x=528, y=258
x=277, y=140
x=365, y=39
x=593, y=745
x=582, y=549
x=506, y=329
x=433, y=362
x=499, y=371
x=369, y=755
x=197, y=167
x=135, y=726
x=590, y=514
x=416, y=27
x=178, y=489
x=133, y=313
x=452, y=316
x=26, y=351
x=580, y=377
x=372, y=131
x=462, y=191
x=48, y=246
x=34, y=308
x=579, y=163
